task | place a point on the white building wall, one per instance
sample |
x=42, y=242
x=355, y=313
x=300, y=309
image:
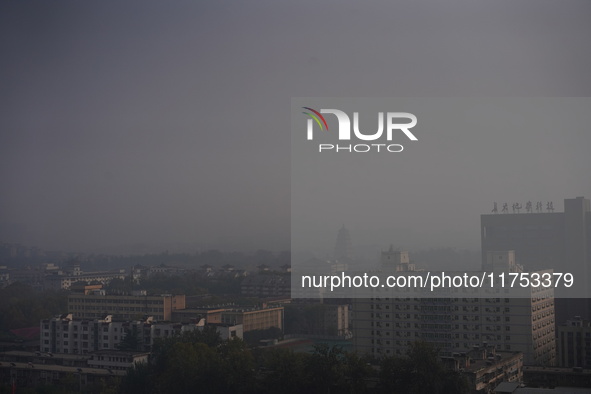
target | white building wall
x=386, y=327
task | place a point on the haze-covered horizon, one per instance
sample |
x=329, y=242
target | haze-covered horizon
x=155, y=124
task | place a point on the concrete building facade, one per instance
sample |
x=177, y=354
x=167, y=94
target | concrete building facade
x=124, y=307
x=255, y=318
x=484, y=367
x=66, y=335
x=385, y=326
x=574, y=343
x=547, y=240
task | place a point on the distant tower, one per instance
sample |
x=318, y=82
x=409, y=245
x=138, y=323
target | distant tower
x=343, y=249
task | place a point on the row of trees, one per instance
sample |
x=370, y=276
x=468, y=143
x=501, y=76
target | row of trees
x=200, y=361
x=190, y=284
x=212, y=257
x=22, y=306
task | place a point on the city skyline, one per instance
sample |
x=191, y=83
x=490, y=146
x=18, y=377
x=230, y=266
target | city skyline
x=194, y=195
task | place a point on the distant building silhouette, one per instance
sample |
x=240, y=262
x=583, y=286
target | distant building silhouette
x=396, y=260
x=343, y=249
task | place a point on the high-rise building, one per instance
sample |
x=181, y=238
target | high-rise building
x=547, y=240
x=540, y=239
x=574, y=343
x=385, y=326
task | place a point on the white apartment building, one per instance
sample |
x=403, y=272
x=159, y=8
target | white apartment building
x=116, y=360
x=66, y=335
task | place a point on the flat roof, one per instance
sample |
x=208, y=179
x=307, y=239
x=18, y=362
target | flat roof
x=61, y=368
x=118, y=352
x=556, y=390
x=556, y=370
x=483, y=364
x=23, y=353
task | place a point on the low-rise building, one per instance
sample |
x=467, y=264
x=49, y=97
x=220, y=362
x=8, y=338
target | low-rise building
x=255, y=318
x=485, y=368
x=212, y=315
x=66, y=335
x=266, y=285
x=63, y=281
x=105, y=359
x=20, y=375
x=116, y=360
x=124, y=307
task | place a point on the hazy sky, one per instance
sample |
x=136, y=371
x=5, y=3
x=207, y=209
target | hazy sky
x=470, y=153
x=159, y=123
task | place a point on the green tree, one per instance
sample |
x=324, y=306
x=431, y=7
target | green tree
x=358, y=373
x=282, y=370
x=138, y=379
x=131, y=340
x=325, y=369
x=421, y=372
x=196, y=359
x=238, y=364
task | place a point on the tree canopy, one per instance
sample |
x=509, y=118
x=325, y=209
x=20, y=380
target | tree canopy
x=201, y=361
